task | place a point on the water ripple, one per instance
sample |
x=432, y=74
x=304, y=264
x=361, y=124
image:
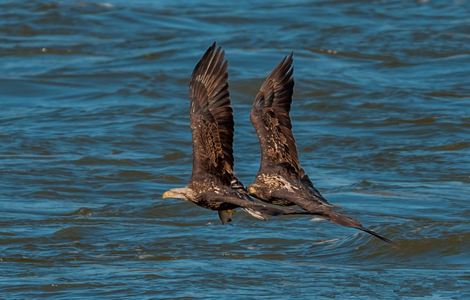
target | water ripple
x=95, y=127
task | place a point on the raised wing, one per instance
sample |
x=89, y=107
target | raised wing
x=211, y=117
x=270, y=117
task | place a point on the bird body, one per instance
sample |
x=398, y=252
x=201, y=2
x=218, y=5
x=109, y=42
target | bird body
x=281, y=180
x=277, y=187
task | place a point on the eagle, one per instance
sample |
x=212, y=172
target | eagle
x=280, y=179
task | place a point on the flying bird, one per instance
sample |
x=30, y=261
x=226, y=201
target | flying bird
x=213, y=184
x=280, y=179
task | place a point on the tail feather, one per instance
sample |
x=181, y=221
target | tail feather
x=262, y=211
x=349, y=222
x=375, y=234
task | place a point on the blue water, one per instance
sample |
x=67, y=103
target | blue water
x=94, y=127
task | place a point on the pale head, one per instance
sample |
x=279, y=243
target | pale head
x=259, y=191
x=252, y=189
x=183, y=193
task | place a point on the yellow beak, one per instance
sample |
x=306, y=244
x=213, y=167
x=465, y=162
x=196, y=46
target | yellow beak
x=167, y=194
x=251, y=190
x=179, y=193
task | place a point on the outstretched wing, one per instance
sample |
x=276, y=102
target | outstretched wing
x=211, y=117
x=270, y=117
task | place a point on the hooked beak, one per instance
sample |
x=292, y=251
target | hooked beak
x=178, y=193
x=168, y=194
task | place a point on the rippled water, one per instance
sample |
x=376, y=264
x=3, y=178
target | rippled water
x=94, y=127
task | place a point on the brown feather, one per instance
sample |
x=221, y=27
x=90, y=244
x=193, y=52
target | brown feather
x=211, y=117
x=349, y=222
x=270, y=117
x=336, y=217
x=281, y=179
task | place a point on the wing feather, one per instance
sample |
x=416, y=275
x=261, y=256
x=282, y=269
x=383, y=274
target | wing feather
x=270, y=117
x=211, y=116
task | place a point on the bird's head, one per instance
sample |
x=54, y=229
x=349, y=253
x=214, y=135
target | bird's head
x=252, y=190
x=258, y=191
x=184, y=193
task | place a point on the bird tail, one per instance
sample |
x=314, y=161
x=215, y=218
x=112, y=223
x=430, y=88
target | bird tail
x=350, y=222
x=262, y=211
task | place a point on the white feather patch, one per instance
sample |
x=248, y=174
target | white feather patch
x=254, y=213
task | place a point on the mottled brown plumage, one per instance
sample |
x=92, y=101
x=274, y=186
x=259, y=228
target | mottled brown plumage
x=213, y=183
x=280, y=179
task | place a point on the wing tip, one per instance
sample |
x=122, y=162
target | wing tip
x=213, y=47
x=214, y=52
x=288, y=60
x=284, y=68
x=290, y=57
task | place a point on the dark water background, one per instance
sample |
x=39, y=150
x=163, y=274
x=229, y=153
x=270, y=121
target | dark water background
x=94, y=127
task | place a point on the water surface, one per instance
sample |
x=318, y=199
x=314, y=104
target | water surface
x=94, y=128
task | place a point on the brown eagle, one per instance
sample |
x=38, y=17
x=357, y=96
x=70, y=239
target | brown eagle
x=280, y=179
